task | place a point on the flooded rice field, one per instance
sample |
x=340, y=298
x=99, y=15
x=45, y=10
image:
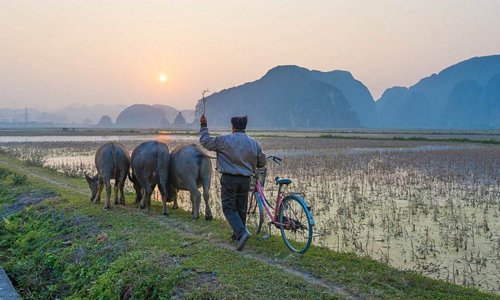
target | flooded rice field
x=431, y=207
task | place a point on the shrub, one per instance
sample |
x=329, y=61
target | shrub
x=19, y=179
x=4, y=173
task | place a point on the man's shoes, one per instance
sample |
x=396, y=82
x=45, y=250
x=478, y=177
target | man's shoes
x=243, y=240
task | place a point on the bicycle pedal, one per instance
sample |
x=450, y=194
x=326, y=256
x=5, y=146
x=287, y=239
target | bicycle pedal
x=266, y=237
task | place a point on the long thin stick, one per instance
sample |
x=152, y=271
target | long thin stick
x=203, y=98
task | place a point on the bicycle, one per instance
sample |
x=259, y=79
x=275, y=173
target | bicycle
x=292, y=216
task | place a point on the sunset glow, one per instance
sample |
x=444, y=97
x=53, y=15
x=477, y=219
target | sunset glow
x=223, y=44
x=162, y=77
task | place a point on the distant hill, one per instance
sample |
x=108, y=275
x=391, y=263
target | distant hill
x=464, y=95
x=141, y=116
x=171, y=113
x=290, y=97
x=69, y=115
x=471, y=105
x=33, y=115
x=188, y=114
x=78, y=113
x=356, y=93
x=151, y=116
x=138, y=115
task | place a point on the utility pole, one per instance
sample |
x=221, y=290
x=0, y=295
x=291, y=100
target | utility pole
x=26, y=116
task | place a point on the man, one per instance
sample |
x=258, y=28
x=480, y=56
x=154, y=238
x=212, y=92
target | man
x=237, y=157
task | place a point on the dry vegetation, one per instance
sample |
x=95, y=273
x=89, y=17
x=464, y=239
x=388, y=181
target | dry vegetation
x=428, y=206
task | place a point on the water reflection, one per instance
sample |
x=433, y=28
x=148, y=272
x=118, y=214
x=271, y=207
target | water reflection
x=161, y=136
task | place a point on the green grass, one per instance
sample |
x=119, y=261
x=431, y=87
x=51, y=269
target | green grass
x=412, y=138
x=456, y=140
x=67, y=247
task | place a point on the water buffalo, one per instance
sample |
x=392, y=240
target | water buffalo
x=190, y=168
x=150, y=163
x=112, y=161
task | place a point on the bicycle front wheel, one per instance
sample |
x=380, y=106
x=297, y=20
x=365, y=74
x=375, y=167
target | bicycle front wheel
x=255, y=214
x=296, y=223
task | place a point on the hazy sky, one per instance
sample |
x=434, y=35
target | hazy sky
x=55, y=53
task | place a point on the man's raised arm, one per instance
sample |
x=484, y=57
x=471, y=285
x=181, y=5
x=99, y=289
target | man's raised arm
x=208, y=142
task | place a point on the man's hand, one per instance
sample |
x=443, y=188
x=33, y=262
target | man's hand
x=203, y=121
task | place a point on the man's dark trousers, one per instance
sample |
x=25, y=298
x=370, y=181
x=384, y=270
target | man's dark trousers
x=234, y=193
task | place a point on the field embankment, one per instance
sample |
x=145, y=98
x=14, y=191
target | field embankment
x=54, y=243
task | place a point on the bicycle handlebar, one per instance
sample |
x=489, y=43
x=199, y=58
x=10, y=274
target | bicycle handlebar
x=275, y=159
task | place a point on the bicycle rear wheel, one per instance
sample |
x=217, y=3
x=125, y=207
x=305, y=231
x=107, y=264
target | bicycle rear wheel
x=255, y=214
x=296, y=224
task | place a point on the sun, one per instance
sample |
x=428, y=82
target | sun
x=162, y=77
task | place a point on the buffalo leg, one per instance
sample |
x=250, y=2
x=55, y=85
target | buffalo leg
x=175, y=205
x=146, y=197
x=206, y=197
x=143, y=192
x=139, y=194
x=163, y=191
x=153, y=186
x=108, y=193
x=208, y=211
x=117, y=182
x=121, y=187
x=100, y=186
x=195, y=203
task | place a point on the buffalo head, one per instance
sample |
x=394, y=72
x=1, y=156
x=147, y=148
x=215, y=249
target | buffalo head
x=93, y=185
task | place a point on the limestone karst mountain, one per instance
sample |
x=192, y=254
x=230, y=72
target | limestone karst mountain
x=464, y=95
x=286, y=97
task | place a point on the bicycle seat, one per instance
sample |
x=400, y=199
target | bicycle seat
x=282, y=180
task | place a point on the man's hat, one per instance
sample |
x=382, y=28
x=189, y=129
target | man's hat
x=239, y=122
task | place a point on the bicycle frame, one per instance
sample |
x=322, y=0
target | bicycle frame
x=287, y=214
x=273, y=216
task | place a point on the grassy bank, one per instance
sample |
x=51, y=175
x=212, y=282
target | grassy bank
x=413, y=139
x=56, y=244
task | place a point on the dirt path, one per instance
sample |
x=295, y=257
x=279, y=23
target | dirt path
x=183, y=228
x=25, y=200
